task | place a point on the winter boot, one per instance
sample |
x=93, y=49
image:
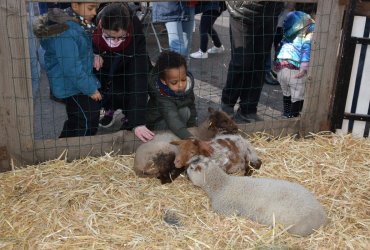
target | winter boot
x=287, y=103
x=296, y=108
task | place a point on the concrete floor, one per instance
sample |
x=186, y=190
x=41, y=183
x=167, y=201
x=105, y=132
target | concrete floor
x=210, y=76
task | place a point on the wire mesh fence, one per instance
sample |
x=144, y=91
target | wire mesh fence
x=43, y=124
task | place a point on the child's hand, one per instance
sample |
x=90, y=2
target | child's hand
x=96, y=96
x=300, y=74
x=143, y=133
x=302, y=70
x=98, y=62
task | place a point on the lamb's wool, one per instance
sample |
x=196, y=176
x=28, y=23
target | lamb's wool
x=147, y=154
x=232, y=153
x=260, y=199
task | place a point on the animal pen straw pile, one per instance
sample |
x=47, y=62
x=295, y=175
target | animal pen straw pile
x=98, y=203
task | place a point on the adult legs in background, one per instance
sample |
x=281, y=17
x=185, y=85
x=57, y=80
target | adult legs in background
x=269, y=77
x=206, y=28
x=180, y=35
x=83, y=116
x=250, y=45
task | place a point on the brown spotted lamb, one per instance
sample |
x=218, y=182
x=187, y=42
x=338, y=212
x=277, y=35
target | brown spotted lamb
x=232, y=153
x=151, y=157
x=259, y=199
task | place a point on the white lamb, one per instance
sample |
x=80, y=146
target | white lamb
x=259, y=199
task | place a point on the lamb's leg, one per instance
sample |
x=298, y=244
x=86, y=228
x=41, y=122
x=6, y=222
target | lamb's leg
x=251, y=166
x=248, y=170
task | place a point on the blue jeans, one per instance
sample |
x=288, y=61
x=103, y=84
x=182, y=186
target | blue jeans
x=180, y=35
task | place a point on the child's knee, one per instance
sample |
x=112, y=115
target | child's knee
x=185, y=114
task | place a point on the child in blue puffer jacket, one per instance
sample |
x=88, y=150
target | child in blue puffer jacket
x=66, y=36
x=293, y=56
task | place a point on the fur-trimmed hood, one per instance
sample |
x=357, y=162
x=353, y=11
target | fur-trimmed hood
x=53, y=23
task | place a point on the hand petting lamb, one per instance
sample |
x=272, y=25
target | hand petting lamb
x=232, y=153
x=258, y=199
x=152, y=158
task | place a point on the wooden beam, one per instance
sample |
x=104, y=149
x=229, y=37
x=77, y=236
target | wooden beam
x=122, y=142
x=362, y=9
x=16, y=100
x=320, y=85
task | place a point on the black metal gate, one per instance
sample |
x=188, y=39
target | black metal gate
x=351, y=106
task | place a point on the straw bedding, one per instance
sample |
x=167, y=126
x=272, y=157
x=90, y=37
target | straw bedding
x=99, y=203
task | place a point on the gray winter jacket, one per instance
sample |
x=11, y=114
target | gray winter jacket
x=247, y=11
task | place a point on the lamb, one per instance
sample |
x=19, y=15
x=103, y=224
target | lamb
x=232, y=153
x=259, y=199
x=167, y=171
x=148, y=162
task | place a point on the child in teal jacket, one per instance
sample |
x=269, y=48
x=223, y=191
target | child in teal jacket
x=66, y=36
x=293, y=57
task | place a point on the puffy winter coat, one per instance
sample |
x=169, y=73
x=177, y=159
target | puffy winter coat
x=166, y=107
x=247, y=11
x=68, y=54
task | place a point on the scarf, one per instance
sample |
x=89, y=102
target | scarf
x=164, y=90
x=88, y=27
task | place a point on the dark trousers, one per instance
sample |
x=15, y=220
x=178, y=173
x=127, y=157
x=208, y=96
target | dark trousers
x=125, y=86
x=83, y=116
x=206, y=28
x=250, y=44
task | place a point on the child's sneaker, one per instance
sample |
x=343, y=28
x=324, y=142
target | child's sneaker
x=199, y=55
x=107, y=119
x=110, y=117
x=215, y=50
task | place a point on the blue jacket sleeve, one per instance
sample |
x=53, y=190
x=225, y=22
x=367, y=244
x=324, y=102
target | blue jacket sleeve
x=76, y=65
x=306, y=48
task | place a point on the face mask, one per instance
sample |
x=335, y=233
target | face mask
x=113, y=43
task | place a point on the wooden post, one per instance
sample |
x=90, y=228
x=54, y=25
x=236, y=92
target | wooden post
x=324, y=55
x=15, y=100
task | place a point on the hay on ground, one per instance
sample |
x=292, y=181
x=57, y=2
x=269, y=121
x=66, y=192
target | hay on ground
x=99, y=203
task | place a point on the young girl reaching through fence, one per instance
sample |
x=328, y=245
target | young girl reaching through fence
x=66, y=36
x=122, y=65
x=292, y=61
x=172, y=101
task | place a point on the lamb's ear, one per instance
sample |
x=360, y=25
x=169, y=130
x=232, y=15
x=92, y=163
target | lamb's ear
x=176, y=142
x=198, y=168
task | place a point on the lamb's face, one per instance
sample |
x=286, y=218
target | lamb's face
x=190, y=148
x=196, y=173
